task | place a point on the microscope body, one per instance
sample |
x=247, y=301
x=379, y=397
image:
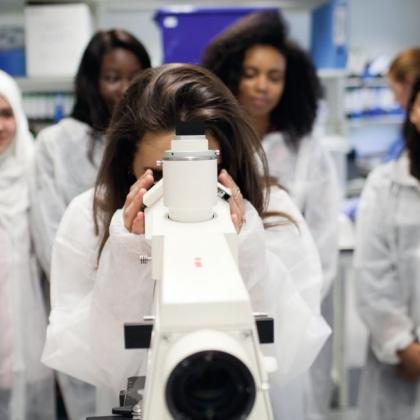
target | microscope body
x=204, y=360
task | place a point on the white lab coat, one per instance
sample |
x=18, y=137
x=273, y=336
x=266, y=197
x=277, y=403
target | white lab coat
x=309, y=175
x=280, y=268
x=26, y=386
x=61, y=171
x=387, y=274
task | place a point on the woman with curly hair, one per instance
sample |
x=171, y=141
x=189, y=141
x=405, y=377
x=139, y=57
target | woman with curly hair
x=387, y=271
x=277, y=85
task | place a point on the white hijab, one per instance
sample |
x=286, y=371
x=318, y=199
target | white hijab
x=14, y=162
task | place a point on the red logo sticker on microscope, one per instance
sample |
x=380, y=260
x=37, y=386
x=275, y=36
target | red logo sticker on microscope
x=197, y=262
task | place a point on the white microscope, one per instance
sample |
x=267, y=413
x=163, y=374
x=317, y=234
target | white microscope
x=204, y=361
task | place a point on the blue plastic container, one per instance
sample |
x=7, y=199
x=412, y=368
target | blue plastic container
x=329, y=35
x=187, y=31
x=13, y=61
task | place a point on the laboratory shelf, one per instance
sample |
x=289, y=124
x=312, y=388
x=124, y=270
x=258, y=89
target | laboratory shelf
x=45, y=84
x=374, y=120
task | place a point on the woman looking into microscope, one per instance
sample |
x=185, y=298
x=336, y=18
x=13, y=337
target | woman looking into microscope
x=97, y=281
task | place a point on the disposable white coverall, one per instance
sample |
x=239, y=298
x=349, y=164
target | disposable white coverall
x=26, y=385
x=279, y=265
x=62, y=170
x=387, y=274
x=309, y=176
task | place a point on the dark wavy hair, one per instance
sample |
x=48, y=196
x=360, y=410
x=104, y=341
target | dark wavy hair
x=89, y=106
x=296, y=111
x=411, y=134
x=155, y=101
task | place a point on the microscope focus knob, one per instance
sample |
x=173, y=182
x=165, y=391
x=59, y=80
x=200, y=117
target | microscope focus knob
x=144, y=259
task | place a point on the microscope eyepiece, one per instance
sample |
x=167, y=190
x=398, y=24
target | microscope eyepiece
x=190, y=128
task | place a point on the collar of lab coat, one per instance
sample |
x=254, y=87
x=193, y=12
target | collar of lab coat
x=401, y=173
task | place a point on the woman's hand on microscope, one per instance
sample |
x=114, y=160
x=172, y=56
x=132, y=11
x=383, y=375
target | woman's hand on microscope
x=409, y=367
x=133, y=213
x=236, y=202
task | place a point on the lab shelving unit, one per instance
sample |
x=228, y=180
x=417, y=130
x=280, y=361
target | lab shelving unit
x=46, y=100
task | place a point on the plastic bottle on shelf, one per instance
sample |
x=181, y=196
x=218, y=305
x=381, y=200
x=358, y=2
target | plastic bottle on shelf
x=58, y=108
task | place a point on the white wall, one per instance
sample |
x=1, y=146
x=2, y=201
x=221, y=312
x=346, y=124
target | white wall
x=11, y=18
x=383, y=26
x=140, y=23
x=299, y=22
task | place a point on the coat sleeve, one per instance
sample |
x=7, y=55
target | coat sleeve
x=47, y=203
x=281, y=269
x=90, y=304
x=378, y=290
x=321, y=209
x=123, y=293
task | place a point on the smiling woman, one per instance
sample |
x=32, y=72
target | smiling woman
x=26, y=386
x=7, y=125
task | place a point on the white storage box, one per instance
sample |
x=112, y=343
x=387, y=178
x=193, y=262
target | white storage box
x=55, y=37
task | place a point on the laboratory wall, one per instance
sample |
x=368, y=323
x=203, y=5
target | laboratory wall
x=383, y=26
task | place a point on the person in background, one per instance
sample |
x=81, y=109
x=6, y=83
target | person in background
x=403, y=71
x=68, y=154
x=97, y=281
x=387, y=274
x=26, y=385
x=276, y=83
